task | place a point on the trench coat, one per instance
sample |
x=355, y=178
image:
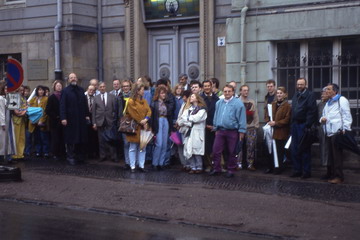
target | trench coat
x=74, y=109
x=138, y=110
x=194, y=143
x=281, y=116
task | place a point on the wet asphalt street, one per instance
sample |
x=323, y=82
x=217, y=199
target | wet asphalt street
x=104, y=201
x=248, y=182
x=24, y=221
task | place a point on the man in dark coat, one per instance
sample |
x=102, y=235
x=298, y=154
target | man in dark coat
x=74, y=115
x=303, y=116
x=210, y=99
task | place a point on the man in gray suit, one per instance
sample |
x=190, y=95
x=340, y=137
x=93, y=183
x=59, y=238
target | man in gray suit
x=116, y=88
x=103, y=116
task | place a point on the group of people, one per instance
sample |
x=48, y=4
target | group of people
x=217, y=129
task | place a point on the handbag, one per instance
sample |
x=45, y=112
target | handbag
x=127, y=125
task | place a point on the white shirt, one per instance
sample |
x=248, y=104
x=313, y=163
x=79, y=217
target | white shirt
x=105, y=96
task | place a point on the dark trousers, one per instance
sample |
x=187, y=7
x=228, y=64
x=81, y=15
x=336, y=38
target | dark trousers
x=92, y=148
x=280, y=149
x=228, y=139
x=57, y=141
x=41, y=141
x=209, y=142
x=301, y=160
x=106, y=150
x=75, y=152
x=334, y=158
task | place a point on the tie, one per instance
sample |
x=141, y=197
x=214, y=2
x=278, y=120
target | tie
x=116, y=93
x=103, y=99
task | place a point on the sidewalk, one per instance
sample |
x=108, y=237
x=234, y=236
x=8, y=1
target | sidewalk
x=251, y=202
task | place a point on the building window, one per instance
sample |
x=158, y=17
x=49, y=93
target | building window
x=14, y=1
x=3, y=61
x=322, y=62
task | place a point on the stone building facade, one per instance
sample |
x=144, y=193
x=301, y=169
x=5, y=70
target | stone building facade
x=247, y=41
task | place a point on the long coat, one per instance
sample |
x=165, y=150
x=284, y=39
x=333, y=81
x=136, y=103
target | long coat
x=74, y=109
x=137, y=109
x=281, y=116
x=53, y=112
x=195, y=121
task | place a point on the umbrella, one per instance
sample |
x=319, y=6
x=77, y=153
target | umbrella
x=309, y=137
x=238, y=148
x=347, y=141
x=175, y=137
x=34, y=113
x=268, y=136
x=145, y=138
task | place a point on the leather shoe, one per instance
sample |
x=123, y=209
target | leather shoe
x=214, y=173
x=229, y=175
x=127, y=167
x=336, y=181
x=295, y=174
x=268, y=171
x=306, y=176
x=142, y=170
x=102, y=160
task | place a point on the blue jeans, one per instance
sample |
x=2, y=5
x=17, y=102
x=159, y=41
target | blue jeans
x=135, y=154
x=41, y=141
x=161, y=143
x=126, y=149
x=301, y=160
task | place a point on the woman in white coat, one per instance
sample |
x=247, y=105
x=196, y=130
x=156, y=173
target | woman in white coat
x=192, y=123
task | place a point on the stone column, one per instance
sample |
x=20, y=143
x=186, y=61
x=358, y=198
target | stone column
x=207, y=51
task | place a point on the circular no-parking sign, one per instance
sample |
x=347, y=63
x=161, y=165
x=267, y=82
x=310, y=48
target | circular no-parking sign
x=14, y=75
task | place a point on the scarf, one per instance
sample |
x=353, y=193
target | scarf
x=334, y=99
x=57, y=95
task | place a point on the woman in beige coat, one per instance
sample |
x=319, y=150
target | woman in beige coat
x=192, y=123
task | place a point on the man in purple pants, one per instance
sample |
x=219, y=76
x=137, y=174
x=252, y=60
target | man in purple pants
x=230, y=127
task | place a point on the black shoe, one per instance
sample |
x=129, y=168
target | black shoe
x=133, y=170
x=115, y=160
x=37, y=155
x=277, y=171
x=142, y=170
x=72, y=162
x=325, y=177
x=46, y=155
x=306, y=176
x=229, y=175
x=159, y=168
x=214, y=173
x=295, y=174
x=127, y=167
x=267, y=171
x=102, y=160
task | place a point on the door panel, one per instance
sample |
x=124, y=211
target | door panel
x=173, y=52
x=190, y=55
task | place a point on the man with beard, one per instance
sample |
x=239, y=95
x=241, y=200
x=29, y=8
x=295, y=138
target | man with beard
x=303, y=116
x=74, y=115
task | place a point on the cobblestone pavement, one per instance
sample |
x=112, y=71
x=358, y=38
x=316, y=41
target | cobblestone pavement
x=258, y=182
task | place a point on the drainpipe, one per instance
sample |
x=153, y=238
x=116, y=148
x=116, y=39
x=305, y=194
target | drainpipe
x=58, y=71
x=100, y=42
x=242, y=46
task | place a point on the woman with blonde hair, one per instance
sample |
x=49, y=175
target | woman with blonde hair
x=192, y=126
x=139, y=110
x=281, y=112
